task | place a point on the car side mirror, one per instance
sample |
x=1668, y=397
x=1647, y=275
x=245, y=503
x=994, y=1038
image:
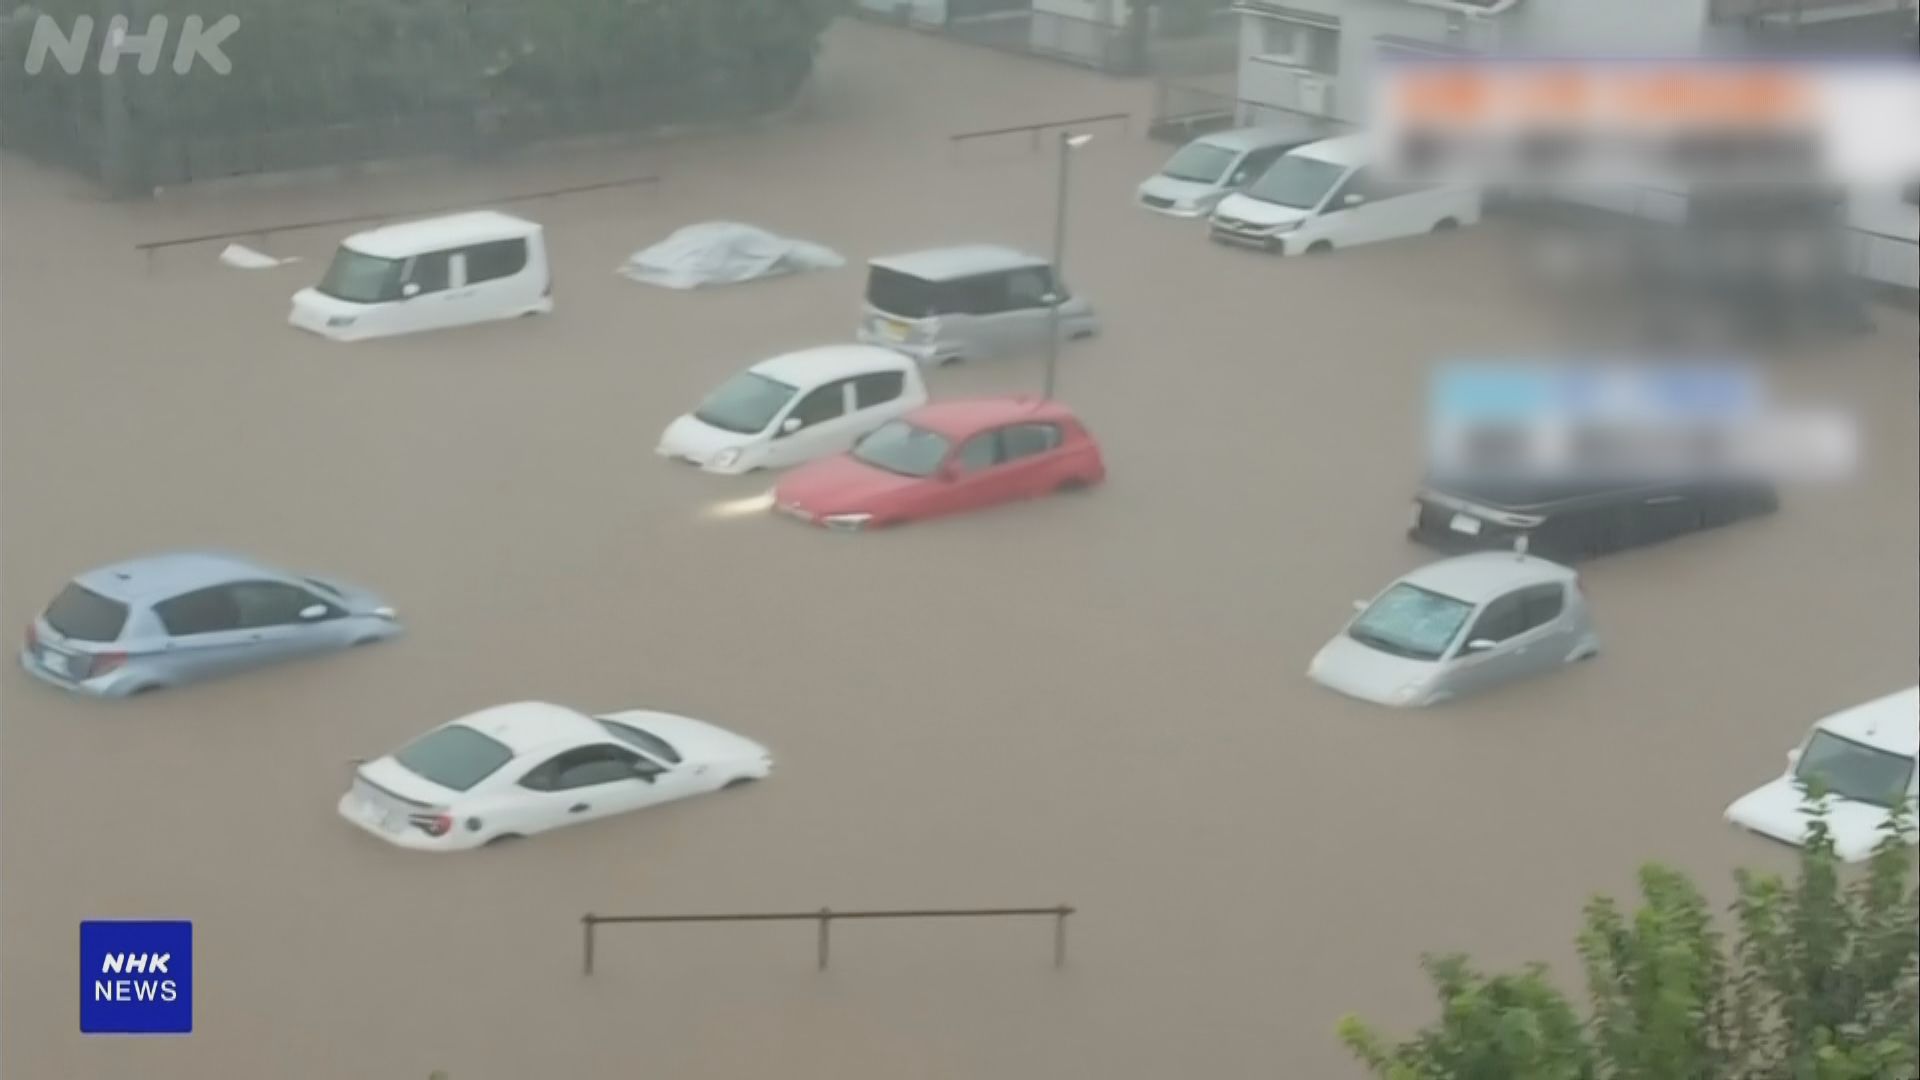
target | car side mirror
x=790, y=425
x=1793, y=757
x=1478, y=645
x=1353, y=198
x=641, y=772
x=410, y=290
x=313, y=611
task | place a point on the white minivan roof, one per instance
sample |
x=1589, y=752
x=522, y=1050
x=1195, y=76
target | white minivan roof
x=1891, y=723
x=811, y=367
x=1347, y=150
x=440, y=233
x=950, y=263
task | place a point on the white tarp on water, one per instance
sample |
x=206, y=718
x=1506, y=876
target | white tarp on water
x=725, y=253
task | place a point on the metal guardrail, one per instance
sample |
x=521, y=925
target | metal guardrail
x=151, y=246
x=1125, y=120
x=825, y=918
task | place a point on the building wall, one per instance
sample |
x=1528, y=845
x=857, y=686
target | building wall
x=1617, y=26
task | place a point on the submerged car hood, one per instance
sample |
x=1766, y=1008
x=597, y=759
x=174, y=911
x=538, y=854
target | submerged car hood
x=1243, y=207
x=1166, y=187
x=1366, y=673
x=1778, y=810
x=690, y=436
x=699, y=742
x=843, y=485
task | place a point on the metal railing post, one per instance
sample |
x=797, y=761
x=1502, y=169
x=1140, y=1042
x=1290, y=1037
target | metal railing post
x=826, y=920
x=1060, y=936
x=586, y=943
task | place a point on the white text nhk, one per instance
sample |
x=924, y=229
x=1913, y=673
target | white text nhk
x=196, y=40
x=150, y=988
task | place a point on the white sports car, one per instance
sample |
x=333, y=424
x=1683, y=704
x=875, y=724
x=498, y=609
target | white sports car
x=515, y=770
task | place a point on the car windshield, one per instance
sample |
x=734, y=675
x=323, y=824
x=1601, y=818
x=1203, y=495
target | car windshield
x=653, y=745
x=1854, y=770
x=899, y=447
x=902, y=294
x=455, y=756
x=1298, y=183
x=746, y=404
x=85, y=615
x=1412, y=622
x=1201, y=163
x=361, y=278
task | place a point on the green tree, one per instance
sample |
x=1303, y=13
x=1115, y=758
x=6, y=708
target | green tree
x=1822, y=983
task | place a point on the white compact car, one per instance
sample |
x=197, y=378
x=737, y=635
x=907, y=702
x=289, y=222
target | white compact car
x=795, y=408
x=1865, y=758
x=516, y=770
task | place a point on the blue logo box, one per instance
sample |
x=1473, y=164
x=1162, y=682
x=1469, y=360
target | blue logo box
x=136, y=977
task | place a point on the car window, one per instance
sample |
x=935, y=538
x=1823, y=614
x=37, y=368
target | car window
x=899, y=447
x=495, y=260
x=1541, y=605
x=272, y=603
x=586, y=766
x=825, y=403
x=203, y=611
x=1410, y=621
x=652, y=744
x=1853, y=770
x=745, y=404
x=84, y=615
x=1028, y=288
x=1501, y=620
x=878, y=388
x=1359, y=183
x=1025, y=440
x=907, y=296
x=980, y=452
x=455, y=756
x=1256, y=163
x=431, y=271
x=983, y=295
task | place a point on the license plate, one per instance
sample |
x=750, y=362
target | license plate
x=1466, y=523
x=898, y=331
x=53, y=662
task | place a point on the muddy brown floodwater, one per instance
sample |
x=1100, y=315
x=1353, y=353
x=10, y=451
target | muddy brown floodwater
x=1095, y=700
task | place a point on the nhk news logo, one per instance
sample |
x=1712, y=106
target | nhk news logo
x=136, y=978
x=1519, y=119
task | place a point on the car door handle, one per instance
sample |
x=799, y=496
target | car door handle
x=579, y=808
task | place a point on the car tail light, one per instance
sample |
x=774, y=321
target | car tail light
x=105, y=662
x=432, y=824
x=33, y=636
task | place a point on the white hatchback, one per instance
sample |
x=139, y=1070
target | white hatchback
x=516, y=770
x=794, y=408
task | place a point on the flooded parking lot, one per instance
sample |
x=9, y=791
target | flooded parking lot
x=1094, y=700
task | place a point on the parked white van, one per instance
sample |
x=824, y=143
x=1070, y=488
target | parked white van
x=959, y=303
x=1864, y=759
x=429, y=275
x=1325, y=196
x=794, y=408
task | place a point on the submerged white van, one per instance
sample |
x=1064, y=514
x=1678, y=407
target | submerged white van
x=1863, y=757
x=429, y=275
x=1325, y=196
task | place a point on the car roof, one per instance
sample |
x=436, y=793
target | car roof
x=958, y=418
x=171, y=573
x=1891, y=723
x=1533, y=495
x=808, y=367
x=526, y=726
x=949, y=263
x=1483, y=575
x=1254, y=138
x=440, y=233
x=1346, y=150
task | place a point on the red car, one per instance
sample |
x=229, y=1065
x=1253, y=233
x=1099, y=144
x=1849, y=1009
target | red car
x=946, y=458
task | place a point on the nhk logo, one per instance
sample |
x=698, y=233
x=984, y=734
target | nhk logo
x=136, y=978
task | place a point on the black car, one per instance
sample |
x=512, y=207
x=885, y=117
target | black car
x=1567, y=522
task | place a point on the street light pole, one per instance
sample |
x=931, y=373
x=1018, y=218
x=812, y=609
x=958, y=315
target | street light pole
x=1069, y=142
